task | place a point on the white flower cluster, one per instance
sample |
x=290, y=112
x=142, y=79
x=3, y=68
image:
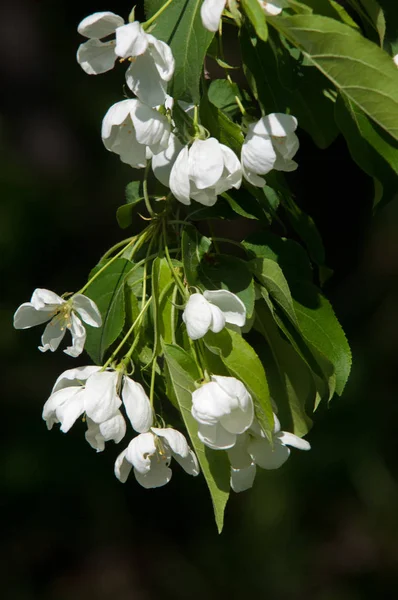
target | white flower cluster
x=224, y=411
x=142, y=128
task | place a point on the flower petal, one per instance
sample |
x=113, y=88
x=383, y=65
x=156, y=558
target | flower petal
x=217, y=319
x=131, y=40
x=258, y=154
x=87, y=309
x=151, y=128
x=112, y=429
x=55, y=401
x=100, y=397
x=232, y=307
x=53, y=335
x=143, y=79
x=122, y=467
x=78, y=332
x=158, y=475
x=137, y=405
x=188, y=463
x=239, y=456
x=68, y=412
x=114, y=118
x=275, y=124
x=232, y=175
x=216, y=437
x=96, y=57
x=163, y=162
x=139, y=451
x=73, y=377
x=175, y=439
x=27, y=316
x=197, y=316
x=236, y=390
x=210, y=402
x=43, y=299
x=242, y=479
x=163, y=57
x=267, y=457
x=289, y=439
x=179, y=177
x=206, y=163
x=99, y=24
x=210, y=12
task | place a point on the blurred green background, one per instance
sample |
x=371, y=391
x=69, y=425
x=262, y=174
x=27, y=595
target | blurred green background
x=325, y=526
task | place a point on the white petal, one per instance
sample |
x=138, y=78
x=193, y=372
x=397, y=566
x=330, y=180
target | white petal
x=99, y=24
x=277, y=425
x=78, y=337
x=267, y=457
x=115, y=116
x=27, y=316
x=287, y=146
x=271, y=8
x=100, y=396
x=94, y=436
x=87, y=309
x=96, y=57
x=210, y=402
x=158, y=475
x=137, y=405
x=207, y=197
x=139, y=451
x=54, y=401
x=210, y=12
x=163, y=162
x=275, y=124
x=150, y=126
x=216, y=437
x=131, y=40
x=289, y=439
x=217, y=319
x=143, y=79
x=188, y=463
x=242, y=479
x=175, y=439
x=179, y=177
x=258, y=154
x=197, y=316
x=114, y=428
x=73, y=377
x=122, y=467
x=239, y=456
x=236, y=390
x=206, y=163
x=232, y=307
x=252, y=178
x=163, y=58
x=53, y=335
x=69, y=411
x=232, y=175
x=46, y=300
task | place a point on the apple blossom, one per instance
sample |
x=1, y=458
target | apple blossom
x=211, y=311
x=203, y=171
x=45, y=306
x=224, y=409
x=129, y=127
x=150, y=455
x=270, y=144
x=151, y=60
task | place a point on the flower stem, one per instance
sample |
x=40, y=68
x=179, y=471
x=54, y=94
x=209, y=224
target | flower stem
x=152, y=388
x=167, y=254
x=227, y=75
x=145, y=190
x=156, y=15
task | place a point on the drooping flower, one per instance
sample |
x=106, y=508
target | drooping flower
x=150, y=455
x=203, y=171
x=129, y=127
x=163, y=162
x=151, y=61
x=270, y=144
x=224, y=409
x=48, y=306
x=95, y=393
x=253, y=448
x=211, y=311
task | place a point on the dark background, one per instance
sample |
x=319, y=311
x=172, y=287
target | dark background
x=323, y=527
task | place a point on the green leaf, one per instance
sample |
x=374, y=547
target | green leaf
x=243, y=363
x=222, y=94
x=180, y=26
x=194, y=246
x=220, y=126
x=256, y=16
x=320, y=327
x=125, y=213
x=162, y=281
x=221, y=271
x=214, y=464
x=374, y=151
x=107, y=291
x=356, y=66
x=289, y=379
x=304, y=225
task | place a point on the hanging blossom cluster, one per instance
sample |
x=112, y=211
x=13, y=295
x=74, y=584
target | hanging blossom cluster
x=142, y=130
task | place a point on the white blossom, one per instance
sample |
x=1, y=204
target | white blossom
x=150, y=455
x=151, y=62
x=211, y=311
x=253, y=448
x=273, y=8
x=45, y=306
x=129, y=127
x=223, y=409
x=203, y=171
x=270, y=144
x=96, y=393
x=211, y=11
